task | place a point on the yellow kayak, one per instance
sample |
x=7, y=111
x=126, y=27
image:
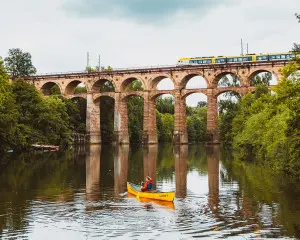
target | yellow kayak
x=163, y=196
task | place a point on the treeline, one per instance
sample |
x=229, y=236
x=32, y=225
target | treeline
x=264, y=126
x=27, y=117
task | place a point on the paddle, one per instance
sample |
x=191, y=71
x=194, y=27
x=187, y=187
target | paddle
x=123, y=194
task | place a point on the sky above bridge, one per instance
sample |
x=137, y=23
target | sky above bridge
x=130, y=33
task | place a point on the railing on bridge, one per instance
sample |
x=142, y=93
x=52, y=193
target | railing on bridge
x=155, y=69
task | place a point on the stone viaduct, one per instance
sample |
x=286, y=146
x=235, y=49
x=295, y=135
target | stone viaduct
x=149, y=78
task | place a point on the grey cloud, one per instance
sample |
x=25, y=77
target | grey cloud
x=146, y=11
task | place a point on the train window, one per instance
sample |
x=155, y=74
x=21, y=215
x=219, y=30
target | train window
x=273, y=57
x=208, y=61
x=282, y=56
x=199, y=61
x=293, y=55
x=277, y=56
x=220, y=60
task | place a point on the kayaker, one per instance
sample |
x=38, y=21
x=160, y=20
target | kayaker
x=147, y=186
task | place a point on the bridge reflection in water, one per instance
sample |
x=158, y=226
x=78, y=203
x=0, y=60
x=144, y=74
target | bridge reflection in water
x=147, y=165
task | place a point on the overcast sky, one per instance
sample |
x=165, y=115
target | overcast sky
x=129, y=33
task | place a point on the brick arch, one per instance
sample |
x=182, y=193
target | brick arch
x=183, y=82
x=156, y=80
x=239, y=91
x=253, y=73
x=95, y=86
x=70, y=87
x=189, y=92
x=220, y=74
x=126, y=81
x=97, y=98
x=80, y=95
x=156, y=95
x=45, y=88
x=130, y=94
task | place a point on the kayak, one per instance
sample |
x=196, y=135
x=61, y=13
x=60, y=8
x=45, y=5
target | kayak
x=165, y=204
x=163, y=196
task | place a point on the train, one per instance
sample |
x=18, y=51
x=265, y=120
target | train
x=247, y=58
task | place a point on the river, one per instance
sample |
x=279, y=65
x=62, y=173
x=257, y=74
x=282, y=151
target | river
x=80, y=194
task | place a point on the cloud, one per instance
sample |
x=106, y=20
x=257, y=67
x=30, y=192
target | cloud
x=142, y=11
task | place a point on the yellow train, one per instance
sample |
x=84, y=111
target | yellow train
x=238, y=59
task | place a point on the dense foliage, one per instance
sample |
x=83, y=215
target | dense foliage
x=27, y=117
x=265, y=126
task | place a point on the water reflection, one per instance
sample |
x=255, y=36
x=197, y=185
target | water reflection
x=92, y=172
x=78, y=195
x=212, y=153
x=121, y=169
x=181, y=158
x=150, y=158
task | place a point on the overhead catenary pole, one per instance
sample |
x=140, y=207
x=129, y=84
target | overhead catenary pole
x=242, y=48
x=87, y=60
x=99, y=65
x=247, y=49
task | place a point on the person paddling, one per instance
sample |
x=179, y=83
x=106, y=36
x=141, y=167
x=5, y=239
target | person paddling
x=147, y=186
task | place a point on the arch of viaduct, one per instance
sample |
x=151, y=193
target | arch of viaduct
x=150, y=78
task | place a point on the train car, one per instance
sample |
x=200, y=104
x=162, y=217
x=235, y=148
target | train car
x=237, y=59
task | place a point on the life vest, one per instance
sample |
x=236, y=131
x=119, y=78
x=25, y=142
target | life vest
x=149, y=185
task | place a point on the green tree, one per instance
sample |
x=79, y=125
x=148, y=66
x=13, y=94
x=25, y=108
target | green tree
x=91, y=69
x=80, y=89
x=19, y=64
x=41, y=119
x=8, y=111
x=135, y=106
x=165, y=105
x=108, y=69
x=264, y=78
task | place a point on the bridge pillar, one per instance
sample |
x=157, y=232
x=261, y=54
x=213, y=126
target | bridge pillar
x=121, y=120
x=150, y=131
x=180, y=130
x=93, y=120
x=212, y=132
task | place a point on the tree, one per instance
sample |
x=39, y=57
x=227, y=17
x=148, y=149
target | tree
x=96, y=69
x=202, y=104
x=19, y=64
x=298, y=17
x=165, y=105
x=8, y=111
x=108, y=69
x=91, y=69
x=264, y=79
x=296, y=47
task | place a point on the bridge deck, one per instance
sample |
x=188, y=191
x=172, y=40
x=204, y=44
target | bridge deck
x=158, y=69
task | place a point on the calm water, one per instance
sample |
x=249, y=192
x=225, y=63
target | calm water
x=80, y=195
